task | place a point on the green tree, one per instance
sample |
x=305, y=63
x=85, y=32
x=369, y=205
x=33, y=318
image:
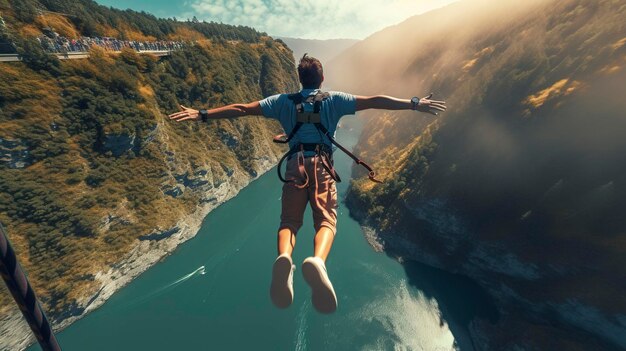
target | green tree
x=32, y=54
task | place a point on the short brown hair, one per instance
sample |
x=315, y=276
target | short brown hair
x=310, y=72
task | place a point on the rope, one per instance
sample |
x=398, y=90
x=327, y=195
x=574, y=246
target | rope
x=24, y=295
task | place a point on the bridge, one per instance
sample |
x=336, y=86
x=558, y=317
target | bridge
x=74, y=55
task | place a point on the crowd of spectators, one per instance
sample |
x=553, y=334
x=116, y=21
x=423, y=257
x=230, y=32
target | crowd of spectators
x=59, y=44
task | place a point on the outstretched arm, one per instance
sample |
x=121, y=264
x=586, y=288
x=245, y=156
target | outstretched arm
x=229, y=111
x=383, y=102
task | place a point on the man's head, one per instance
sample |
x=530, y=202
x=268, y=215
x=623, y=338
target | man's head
x=310, y=72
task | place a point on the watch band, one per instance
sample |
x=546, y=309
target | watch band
x=204, y=115
x=415, y=101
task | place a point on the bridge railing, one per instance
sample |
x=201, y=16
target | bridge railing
x=81, y=55
x=54, y=43
x=66, y=48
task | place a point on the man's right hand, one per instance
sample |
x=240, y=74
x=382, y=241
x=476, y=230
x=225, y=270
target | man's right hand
x=185, y=113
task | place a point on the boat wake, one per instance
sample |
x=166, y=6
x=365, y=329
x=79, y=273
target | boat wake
x=198, y=271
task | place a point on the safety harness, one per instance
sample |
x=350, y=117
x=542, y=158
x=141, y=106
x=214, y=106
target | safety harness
x=322, y=150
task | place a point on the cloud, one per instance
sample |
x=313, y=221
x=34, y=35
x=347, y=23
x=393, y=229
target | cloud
x=312, y=19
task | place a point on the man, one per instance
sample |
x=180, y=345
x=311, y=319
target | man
x=310, y=177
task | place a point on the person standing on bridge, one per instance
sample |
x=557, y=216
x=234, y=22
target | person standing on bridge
x=310, y=117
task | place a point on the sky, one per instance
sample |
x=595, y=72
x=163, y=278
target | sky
x=308, y=19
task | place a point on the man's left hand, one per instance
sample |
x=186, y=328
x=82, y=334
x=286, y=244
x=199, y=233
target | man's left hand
x=431, y=106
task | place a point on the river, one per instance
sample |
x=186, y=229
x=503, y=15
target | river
x=212, y=293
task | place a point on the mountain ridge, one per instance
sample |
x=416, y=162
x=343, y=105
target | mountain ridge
x=512, y=186
x=323, y=50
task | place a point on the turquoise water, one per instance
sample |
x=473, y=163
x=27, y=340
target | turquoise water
x=213, y=292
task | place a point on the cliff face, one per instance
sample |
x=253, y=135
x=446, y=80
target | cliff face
x=521, y=184
x=96, y=183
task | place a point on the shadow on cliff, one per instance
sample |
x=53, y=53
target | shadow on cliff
x=460, y=299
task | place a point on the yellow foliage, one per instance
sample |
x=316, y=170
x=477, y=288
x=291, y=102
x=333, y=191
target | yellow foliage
x=467, y=65
x=30, y=31
x=146, y=91
x=617, y=64
x=11, y=70
x=100, y=56
x=85, y=66
x=40, y=98
x=182, y=33
x=191, y=79
x=59, y=24
x=561, y=88
x=485, y=51
x=9, y=128
x=19, y=242
x=113, y=128
x=618, y=44
x=107, y=31
x=609, y=69
x=133, y=34
x=205, y=43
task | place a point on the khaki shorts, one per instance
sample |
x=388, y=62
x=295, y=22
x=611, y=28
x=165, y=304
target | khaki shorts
x=321, y=194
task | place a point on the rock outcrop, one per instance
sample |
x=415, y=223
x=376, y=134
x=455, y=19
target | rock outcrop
x=14, y=153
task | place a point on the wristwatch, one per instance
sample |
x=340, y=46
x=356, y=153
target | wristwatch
x=204, y=115
x=415, y=101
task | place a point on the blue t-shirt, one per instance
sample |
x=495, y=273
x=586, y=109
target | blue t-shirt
x=333, y=108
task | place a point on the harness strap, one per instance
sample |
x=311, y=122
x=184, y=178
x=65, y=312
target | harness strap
x=327, y=163
x=298, y=99
x=320, y=150
x=284, y=138
x=317, y=104
x=280, y=163
x=301, y=168
x=316, y=195
x=371, y=172
x=326, y=157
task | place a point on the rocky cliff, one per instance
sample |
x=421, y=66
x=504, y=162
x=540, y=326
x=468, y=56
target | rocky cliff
x=96, y=184
x=520, y=185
